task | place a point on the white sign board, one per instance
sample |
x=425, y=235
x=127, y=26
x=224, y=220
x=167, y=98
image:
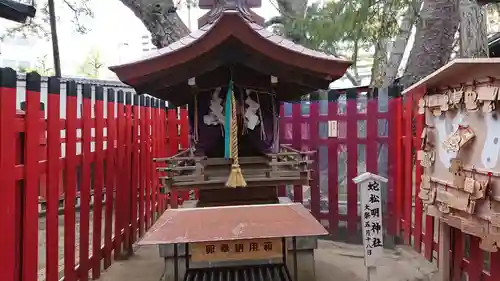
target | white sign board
x=332, y=129
x=371, y=216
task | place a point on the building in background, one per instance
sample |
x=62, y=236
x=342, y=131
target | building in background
x=19, y=53
x=146, y=43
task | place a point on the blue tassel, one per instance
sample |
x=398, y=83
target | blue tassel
x=227, y=122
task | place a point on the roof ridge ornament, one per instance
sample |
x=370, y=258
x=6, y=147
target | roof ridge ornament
x=218, y=7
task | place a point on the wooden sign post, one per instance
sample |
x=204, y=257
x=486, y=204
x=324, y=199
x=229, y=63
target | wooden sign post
x=371, y=218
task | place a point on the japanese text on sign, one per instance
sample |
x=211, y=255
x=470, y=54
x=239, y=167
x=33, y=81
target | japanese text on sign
x=237, y=250
x=372, y=221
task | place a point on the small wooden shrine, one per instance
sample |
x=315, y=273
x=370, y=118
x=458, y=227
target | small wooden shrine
x=232, y=74
x=461, y=148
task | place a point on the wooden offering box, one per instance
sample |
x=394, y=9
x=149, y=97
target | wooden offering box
x=460, y=150
x=248, y=242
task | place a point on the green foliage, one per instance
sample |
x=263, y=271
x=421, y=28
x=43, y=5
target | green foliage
x=92, y=65
x=343, y=25
x=42, y=66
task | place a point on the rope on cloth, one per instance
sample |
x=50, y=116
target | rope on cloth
x=231, y=140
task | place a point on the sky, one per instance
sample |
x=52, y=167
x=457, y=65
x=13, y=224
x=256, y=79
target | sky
x=115, y=32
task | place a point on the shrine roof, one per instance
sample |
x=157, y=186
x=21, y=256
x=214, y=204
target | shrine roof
x=192, y=38
x=202, y=51
x=460, y=71
x=232, y=223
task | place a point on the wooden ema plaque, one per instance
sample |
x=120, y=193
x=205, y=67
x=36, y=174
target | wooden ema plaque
x=460, y=147
x=249, y=249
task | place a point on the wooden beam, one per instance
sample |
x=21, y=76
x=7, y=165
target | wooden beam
x=444, y=262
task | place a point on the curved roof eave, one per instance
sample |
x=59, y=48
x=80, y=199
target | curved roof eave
x=231, y=24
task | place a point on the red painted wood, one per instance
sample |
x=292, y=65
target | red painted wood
x=53, y=178
x=148, y=170
x=120, y=180
x=184, y=137
x=495, y=266
x=135, y=173
x=98, y=188
x=420, y=120
x=458, y=247
x=10, y=258
x=127, y=186
x=314, y=145
x=152, y=165
x=428, y=238
x=30, y=188
x=85, y=190
x=352, y=166
x=163, y=149
x=408, y=168
x=143, y=204
x=70, y=185
x=163, y=152
x=394, y=162
x=333, y=174
x=281, y=139
x=297, y=143
x=476, y=259
x=173, y=149
x=184, y=128
x=154, y=174
x=399, y=168
x=110, y=178
x=158, y=139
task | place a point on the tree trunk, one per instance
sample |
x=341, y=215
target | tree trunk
x=434, y=38
x=165, y=27
x=473, y=30
x=292, y=8
x=380, y=55
x=379, y=63
x=400, y=43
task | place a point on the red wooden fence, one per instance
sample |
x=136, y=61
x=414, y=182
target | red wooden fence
x=420, y=231
x=363, y=137
x=118, y=134
x=118, y=194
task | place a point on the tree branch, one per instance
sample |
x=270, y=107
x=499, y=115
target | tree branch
x=165, y=26
x=80, y=10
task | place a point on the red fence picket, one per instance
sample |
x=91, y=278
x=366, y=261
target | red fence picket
x=98, y=185
x=358, y=117
x=102, y=157
x=53, y=171
x=97, y=155
x=468, y=261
